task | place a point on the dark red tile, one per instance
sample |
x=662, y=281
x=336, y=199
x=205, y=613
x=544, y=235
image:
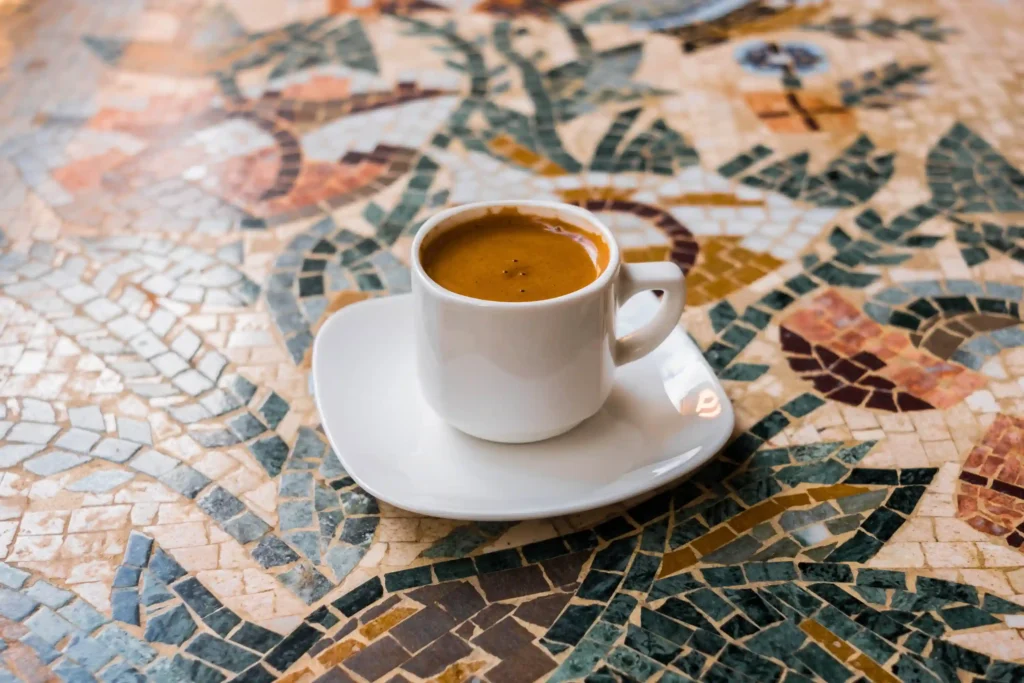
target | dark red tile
x=848, y=371
x=793, y=342
x=462, y=602
x=514, y=583
x=852, y=396
x=544, y=610
x=825, y=383
x=565, y=569
x=881, y=400
x=504, y=638
x=423, y=628
x=434, y=659
x=375, y=611
x=827, y=357
x=804, y=364
x=527, y=665
x=491, y=615
x=378, y=659
x=869, y=360
x=909, y=402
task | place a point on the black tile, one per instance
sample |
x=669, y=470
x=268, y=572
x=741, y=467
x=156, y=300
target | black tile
x=293, y=646
x=544, y=550
x=202, y=601
x=255, y=637
x=221, y=653
x=454, y=569
x=573, y=623
x=407, y=578
x=498, y=561
x=599, y=585
x=614, y=528
x=322, y=616
x=616, y=556
x=362, y=596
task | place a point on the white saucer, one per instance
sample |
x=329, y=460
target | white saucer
x=666, y=416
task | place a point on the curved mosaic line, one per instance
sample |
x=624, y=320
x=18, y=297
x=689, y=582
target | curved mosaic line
x=852, y=359
x=959, y=320
x=320, y=265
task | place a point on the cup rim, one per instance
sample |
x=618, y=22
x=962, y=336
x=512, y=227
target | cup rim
x=578, y=214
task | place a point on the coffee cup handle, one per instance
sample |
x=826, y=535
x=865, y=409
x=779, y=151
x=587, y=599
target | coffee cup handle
x=640, y=277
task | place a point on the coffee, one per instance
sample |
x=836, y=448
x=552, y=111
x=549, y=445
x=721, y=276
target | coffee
x=512, y=256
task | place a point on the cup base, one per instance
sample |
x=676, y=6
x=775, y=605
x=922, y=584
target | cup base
x=518, y=437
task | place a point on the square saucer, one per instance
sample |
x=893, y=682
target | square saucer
x=667, y=415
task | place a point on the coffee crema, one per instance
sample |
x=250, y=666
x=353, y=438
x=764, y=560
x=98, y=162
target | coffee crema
x=511, y=256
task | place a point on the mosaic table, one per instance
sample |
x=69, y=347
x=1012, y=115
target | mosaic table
x=189, y=188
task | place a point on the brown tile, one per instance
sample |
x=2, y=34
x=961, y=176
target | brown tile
x=491, y=615
x=467, y=630
x=462, y=602
x=565, y=569
x=335, y=676
x=339, y=652
x=544, y=610
x=514, y=583
x=504, y=638
x=423, y=628
x=446, y=650
x=378, y=659
x=677, y=560
x=385, y=622
x=527, y=665
x=458, y=673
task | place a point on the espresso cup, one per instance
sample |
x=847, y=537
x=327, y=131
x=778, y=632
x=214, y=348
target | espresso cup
x=516, y=372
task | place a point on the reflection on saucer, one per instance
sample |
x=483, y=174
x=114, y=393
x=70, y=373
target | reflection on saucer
x=703, y=403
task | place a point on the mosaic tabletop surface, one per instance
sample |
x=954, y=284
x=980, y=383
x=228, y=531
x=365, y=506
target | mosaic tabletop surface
x=189, y=188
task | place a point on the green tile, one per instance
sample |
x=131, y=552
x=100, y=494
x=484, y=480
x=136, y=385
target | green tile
x=770, y=642
x=823, y=664
x=642, y=573
x=751, y=604
x=881, y=578
x=599, y=585
x=946, y=590
x=770, y=571
x=668, y=629
x=803, y=405
x=960, y=618
x=651, y=645
x=877, y=648
x=723, y=576
x=711, y=604
x=632, y=663
x=738, y=628
x=619, y=609
x=691, y=663
x=750, y=664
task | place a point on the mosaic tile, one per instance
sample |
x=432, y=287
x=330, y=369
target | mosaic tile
x=860, y=524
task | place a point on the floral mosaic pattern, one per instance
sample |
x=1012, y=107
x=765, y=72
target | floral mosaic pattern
x=189, y=189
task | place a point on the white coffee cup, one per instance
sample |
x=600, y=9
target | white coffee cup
x=516, y=372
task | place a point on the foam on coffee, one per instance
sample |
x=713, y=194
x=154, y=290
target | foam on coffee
x=512, y=256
